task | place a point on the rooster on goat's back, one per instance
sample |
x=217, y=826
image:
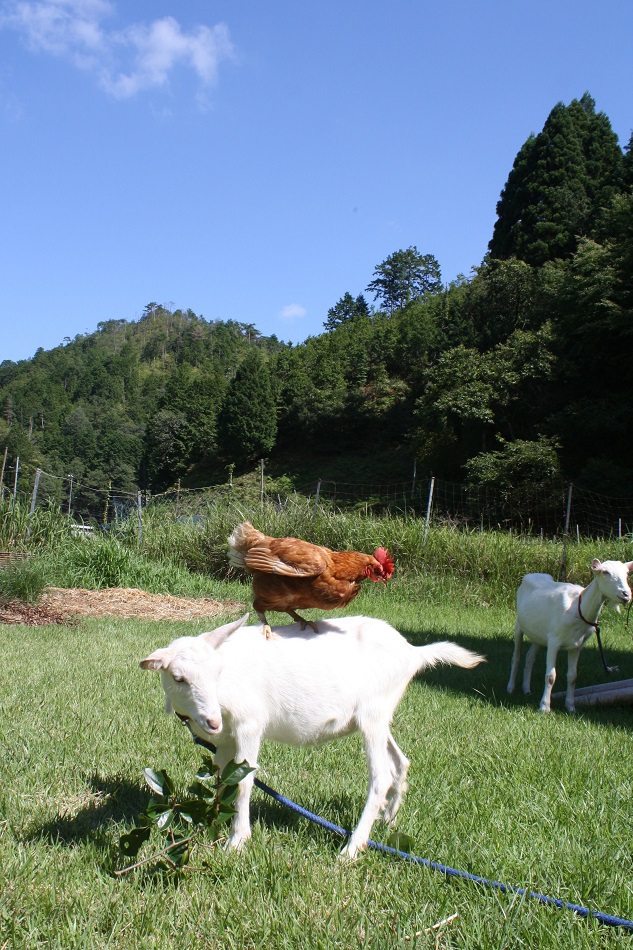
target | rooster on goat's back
x=290, y=574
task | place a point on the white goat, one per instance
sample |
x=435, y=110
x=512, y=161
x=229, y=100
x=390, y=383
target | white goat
x=563, y=616
x=234, y=688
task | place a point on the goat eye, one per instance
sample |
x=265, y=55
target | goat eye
x=178, y=679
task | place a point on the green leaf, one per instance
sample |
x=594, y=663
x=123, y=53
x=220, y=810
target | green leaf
x=179, y=853
x=156, y=808
x=227, y=794
x=130, y=843
x=225, y=812
x=208, y=771
x=199, y=812
x=233, y=772
x=201, y=790
x=159, y=782
x=165, y=820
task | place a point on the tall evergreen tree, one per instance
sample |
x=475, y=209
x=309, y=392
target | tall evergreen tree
x=346, y=309
x=628, y=163
x=247, y=422
x=561, y=180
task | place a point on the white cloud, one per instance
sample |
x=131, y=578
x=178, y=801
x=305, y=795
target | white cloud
x=140, y=57
x=292, y=311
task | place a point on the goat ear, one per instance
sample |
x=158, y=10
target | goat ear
x=159, y=660
x=596, y=564
x=216, y=637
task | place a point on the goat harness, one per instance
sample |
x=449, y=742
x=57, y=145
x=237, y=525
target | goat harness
x=596, y=626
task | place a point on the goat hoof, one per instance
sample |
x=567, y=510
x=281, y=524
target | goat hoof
x=351, y=852
x=236, y=844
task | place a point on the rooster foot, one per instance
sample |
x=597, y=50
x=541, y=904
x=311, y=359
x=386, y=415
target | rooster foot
x=266, y=628
x=268, y=632
x=303, y=623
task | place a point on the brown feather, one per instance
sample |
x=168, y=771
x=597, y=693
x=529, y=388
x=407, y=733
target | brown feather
x=290, y=574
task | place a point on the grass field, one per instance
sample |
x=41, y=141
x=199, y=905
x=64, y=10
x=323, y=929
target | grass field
x=495, y=788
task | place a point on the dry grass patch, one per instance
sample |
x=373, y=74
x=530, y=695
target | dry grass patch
x=64, y=605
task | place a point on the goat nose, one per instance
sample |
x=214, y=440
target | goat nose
x=213, y=725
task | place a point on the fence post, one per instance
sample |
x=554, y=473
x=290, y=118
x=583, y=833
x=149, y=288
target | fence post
x=38, y=472
x=70, y=498
x=563, y=569
x=316, y=497
x=4, y=463
x=428, y=508
x=139, y=506
x=15, y=480
x=261, y=483
x=107, y=503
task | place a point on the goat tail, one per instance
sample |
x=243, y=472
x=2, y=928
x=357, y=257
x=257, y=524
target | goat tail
x=450, y=654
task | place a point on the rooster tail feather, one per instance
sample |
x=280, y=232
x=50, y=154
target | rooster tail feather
x=239, y=541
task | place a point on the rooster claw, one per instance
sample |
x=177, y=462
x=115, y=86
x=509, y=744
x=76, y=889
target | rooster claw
x=303, y=623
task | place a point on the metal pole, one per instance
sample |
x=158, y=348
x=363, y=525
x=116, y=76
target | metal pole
x=15, y=480
x=261, y=483
x=4, y=463
x=70, y=497
x=107, y=503
x=563, y=570
x=38, y=473
x=139, y=505
x=316, y=497
x=428, y=508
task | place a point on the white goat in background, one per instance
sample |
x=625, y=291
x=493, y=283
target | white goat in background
x=563, y=616
x=234, y=688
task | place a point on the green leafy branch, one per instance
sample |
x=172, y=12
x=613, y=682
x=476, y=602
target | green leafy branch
x=181, y=820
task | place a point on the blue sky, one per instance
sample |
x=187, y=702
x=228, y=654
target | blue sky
x=255, y=161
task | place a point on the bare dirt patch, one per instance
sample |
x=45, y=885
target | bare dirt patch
x=65, y=605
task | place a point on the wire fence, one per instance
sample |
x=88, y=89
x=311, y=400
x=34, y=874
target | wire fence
x=552, y=509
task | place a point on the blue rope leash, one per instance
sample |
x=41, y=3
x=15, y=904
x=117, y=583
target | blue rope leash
x=578, y=909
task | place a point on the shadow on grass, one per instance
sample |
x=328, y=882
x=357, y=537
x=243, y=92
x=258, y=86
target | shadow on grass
x=114, y=800
x=341, y=810
x=488, y=681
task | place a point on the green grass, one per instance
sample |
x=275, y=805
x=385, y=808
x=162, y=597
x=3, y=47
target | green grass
x=495, y=788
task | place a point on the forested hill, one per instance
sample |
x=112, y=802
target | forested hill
x=518, y=372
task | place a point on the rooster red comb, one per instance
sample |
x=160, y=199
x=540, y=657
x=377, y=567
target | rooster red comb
x=385, y=561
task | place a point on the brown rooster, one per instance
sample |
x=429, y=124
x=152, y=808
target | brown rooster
x=289, y=573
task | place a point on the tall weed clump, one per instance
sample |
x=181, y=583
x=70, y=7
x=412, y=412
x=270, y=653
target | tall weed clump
x=101, y=562
x=23, y=580
x=23, y=530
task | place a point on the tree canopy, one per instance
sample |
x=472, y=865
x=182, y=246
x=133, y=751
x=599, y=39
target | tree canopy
x=403, y=277
x=560, y=182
